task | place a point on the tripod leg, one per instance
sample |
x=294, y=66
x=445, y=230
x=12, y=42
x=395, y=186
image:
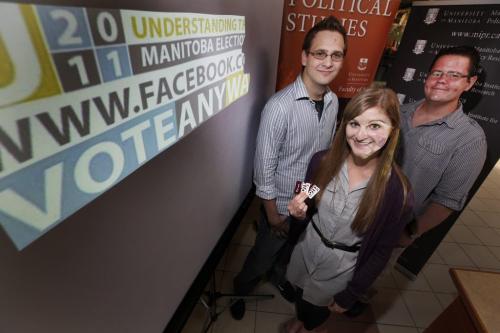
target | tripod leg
x=209, y=302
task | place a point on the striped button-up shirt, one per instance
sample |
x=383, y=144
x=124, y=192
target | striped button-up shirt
x=289, y=134
x=442, y=158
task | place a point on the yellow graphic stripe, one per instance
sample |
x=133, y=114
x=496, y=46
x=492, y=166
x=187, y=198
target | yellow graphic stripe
x=6, y=67
x=49, y=84
x=237, y=85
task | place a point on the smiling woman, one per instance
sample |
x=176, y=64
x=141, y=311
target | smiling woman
x=368, y=133
x=358, y=216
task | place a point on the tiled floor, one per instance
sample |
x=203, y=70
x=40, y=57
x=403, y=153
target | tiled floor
x=400, y=305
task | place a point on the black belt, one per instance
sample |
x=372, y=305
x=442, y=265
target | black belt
x=335, y=245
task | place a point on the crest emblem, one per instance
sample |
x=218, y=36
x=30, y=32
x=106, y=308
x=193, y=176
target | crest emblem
x=431, y=16
x=419, y=46
x=409, y=73
x=362, y=64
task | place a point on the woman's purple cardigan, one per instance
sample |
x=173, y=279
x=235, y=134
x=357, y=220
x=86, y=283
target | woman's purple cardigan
x=378, y=241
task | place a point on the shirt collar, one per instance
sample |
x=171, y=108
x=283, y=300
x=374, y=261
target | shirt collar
x=451, y=120
x=300, y=91
x=344, y=173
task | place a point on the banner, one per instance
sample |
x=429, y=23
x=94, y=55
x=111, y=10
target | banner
x=432, y=26
x=89, y=95
x=367, y=24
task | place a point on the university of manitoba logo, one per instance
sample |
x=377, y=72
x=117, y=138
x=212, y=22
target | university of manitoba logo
x=401, y=98
x=419, y=46
x=409, y=73
x=362, y=64
x=431, y=16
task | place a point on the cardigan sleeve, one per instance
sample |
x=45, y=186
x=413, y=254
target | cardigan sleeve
x=377, y=245
x=312, y=168
x=298, y=226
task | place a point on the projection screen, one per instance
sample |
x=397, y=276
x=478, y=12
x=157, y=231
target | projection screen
x=107, y=222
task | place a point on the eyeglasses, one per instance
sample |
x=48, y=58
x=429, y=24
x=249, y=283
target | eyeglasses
x=452, y=76
x=321, y=55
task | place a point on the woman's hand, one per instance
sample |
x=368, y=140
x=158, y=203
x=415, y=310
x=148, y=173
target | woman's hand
x=334, y=307
x=297, y=206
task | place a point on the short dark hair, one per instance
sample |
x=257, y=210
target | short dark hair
x=330, y=23
x=467, y=51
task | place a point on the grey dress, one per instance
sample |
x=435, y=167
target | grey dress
x=321, y=271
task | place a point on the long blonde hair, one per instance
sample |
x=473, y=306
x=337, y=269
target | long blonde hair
x=333, y=160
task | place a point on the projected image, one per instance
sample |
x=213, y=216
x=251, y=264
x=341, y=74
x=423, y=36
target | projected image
x=89, y=95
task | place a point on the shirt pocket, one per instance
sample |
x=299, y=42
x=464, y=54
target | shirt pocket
x=328, y=194
x=429, y=153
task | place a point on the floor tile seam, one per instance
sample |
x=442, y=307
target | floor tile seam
x=462, y=246
x=483, y=245
x=487, y=226
x=470, y=231
x=407, y=308
x=439, y=300
x=493, y=199
x=487, y=210
x=469, y=243
x=464, y=266
x=453, y=265
x=411, y=314
x=439, y=255
x=422, y=290
x=478, y=226
x=476, y=214
x=406, y=289
x=401, y=325
x=443, y=292
x=493, y=254
x=398, y=325
x=377, y=322
x=422, y=276
x=435, y=298
x=276, y=313
x=440, y=291
x=445, y=264
x=468, y=256
x=344, y=319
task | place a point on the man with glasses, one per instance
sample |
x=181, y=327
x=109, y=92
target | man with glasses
x=442, y=149
x=296, y=122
